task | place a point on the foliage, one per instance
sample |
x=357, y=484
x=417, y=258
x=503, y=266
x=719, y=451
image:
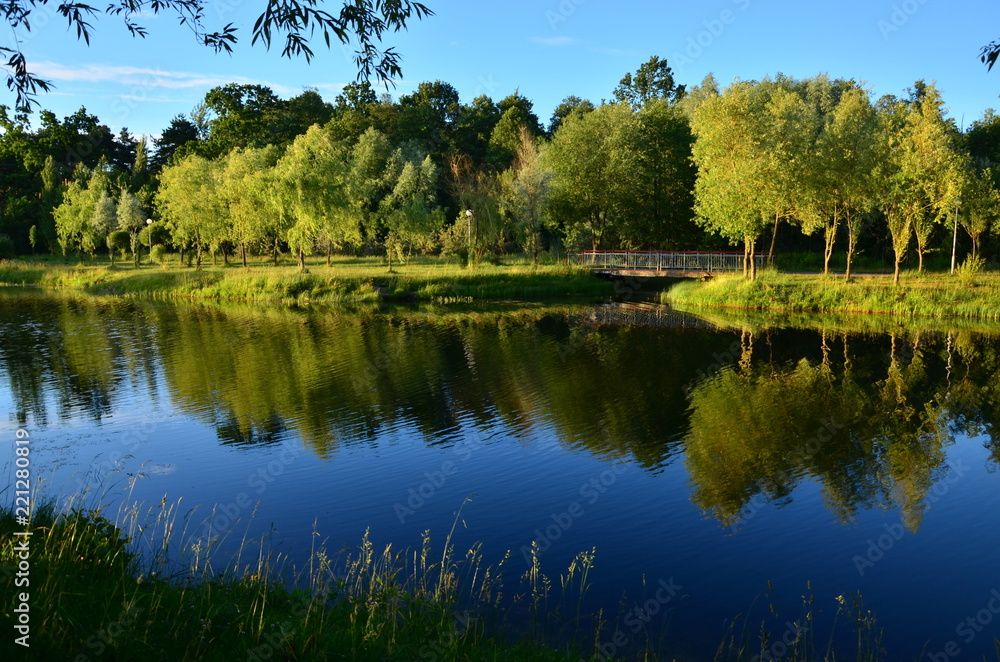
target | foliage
x=364, y=22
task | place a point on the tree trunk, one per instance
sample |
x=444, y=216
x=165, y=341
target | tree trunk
x=850, y=249
x=975, y=247
x=182, y=256
x=329, y=253
x=243, y=254
x=895, y=273
x=225, y=256
x=215, y=262
x=774, y=237
x=302, y=260
x=275, y=251
x=197, y=258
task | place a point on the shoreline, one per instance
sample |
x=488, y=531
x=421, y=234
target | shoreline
x=351, y=280
x=933, y=295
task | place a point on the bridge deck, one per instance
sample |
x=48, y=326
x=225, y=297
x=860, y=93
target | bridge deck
x=692, y=264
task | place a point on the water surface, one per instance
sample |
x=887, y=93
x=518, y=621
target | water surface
x=713, y=459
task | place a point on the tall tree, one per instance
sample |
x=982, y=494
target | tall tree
x=526, y=188
x=654, y=80
x=312, y=193
x=180, y=133
x=594, y=166
x=189, y=200
x=568, y=106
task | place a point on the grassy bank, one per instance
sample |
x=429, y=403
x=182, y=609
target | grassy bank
x=930, y=294
x=346, y=280
x=93, y=596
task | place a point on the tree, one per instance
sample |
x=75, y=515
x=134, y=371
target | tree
x=131, y=219
x=594, y=169
x=933, y=165
x=661, y=204
x=747, y=143
x=410, y=212
x=526, y=188
x=846, y=160
x=568, y=106
x=180, y=133
x=654, y=80
x=893, y=185
x=72, y=214
x=311, y=192
x=102, y=222
x=293, y=22
x=248, y=190
x=980, y=206
x=188, y=199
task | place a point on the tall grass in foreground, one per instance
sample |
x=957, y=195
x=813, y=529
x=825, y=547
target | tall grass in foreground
x=117, y=590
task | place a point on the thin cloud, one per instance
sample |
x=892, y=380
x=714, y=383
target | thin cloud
x=556, y=41
x=563, y=41
x=143, y=77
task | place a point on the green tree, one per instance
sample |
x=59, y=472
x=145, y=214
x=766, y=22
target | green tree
x=654, y=80
x=526, y=192
x=847, y=154
x=410, y=211
x=188, y=199
x=568, y=106
x=131, y=219
x=247, y=191
x=734, y=151
x=310, y=191
x=980, y=207
x=594, y=168
x=103, y=220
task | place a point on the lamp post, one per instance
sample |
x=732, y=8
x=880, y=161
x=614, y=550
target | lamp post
x=469, y=217
x=954, y=237
x=149, y=224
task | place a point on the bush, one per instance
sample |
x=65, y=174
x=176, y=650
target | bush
x=158, y=253
x=969, y=269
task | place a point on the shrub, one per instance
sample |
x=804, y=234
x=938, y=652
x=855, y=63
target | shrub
x=159, y=253
x=969, y=269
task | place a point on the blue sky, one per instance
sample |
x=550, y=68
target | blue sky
x=547, y=49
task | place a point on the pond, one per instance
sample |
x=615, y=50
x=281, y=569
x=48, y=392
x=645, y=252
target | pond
x=719, y=467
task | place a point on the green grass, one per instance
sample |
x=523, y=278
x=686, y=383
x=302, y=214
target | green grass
x=940, y=295
x=346, y=280
x=109, y=590
x=140, y=586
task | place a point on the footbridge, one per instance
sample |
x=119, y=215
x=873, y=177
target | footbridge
x=687, y=264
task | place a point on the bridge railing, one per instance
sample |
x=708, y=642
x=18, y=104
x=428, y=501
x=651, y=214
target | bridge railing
x=693, y=261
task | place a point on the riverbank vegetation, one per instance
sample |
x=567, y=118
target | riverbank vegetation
x=361, y=604
x=787, y=165
x=344, y=279
x=969, y=294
